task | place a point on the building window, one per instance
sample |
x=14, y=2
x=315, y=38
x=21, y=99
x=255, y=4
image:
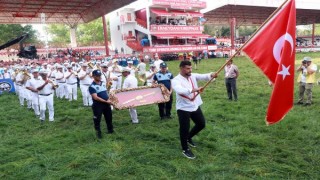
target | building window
x=118, y=28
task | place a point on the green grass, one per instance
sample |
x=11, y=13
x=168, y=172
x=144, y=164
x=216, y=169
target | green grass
x=236, y=143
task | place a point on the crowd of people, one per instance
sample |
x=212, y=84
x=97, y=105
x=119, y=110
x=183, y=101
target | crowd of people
x=37, y=84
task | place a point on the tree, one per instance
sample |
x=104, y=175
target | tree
x=60, y=35
x=12, y=31
x=91, y=33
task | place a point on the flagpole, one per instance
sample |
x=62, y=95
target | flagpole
x=240, y=49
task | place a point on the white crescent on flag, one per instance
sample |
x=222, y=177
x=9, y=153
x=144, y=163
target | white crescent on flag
x=277, y=48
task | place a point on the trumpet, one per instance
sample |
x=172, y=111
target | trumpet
x=55, y=86
x=90, y=64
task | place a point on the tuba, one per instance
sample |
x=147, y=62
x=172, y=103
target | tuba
x=26, y=76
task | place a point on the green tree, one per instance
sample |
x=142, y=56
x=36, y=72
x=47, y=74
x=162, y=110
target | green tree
x=91, y=33
x=60, y=35
x=12, y=31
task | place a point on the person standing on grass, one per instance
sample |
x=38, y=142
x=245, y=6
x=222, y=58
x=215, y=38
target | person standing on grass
x=45, y=91
x=101, y=104
x=186, y=87
x=231, y=73
x=130, y=81
x=306, y=79
x=164, y=77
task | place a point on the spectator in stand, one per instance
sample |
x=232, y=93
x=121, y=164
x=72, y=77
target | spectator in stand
x=122, y=50
x=116, y=51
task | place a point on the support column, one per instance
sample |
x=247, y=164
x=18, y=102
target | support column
x=313, y=30
x=148, y=25
x=232, y=29
x=73, y=37
x=105, y=33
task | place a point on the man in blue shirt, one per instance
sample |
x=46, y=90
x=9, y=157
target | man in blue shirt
x=101, y=103
x=164, y=77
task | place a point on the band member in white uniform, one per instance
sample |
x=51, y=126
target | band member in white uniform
x=130, y=81
x=132, y=68
x=45, y=97
x=71, y=79
x=149, y=74
x=116, y=70
x=85, y=81
x=157, y=62
x=60, y=79
x=21, y=80
x=32, y=85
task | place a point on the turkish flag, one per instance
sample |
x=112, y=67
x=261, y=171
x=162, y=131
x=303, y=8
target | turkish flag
x=272, y=49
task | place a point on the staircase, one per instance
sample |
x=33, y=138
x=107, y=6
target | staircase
x=141, y=26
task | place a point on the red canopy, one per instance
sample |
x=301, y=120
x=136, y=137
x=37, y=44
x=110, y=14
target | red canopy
x=161, y=12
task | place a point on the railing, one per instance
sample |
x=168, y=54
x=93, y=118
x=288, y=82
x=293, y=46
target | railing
x=142, y=23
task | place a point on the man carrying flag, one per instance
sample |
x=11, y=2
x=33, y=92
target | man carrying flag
x=272, y=49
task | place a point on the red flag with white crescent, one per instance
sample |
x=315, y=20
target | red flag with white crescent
x=272, y=49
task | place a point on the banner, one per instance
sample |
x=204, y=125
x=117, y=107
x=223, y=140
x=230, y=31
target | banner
x=6, y=85
x=181, y=4
x=134, y=97
x=165, y=29
x=166, y=49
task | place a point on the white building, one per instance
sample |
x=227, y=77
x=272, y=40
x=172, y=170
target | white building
x=159, y=26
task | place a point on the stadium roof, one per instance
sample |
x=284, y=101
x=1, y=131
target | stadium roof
x=248, y=12
x=56, y=11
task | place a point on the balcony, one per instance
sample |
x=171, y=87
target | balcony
x=175, y=29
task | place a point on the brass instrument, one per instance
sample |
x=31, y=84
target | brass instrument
x=55, y=86
x=91, y=65
x=26, y=76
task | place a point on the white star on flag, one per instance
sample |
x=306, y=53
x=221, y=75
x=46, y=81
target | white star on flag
x=284, y=72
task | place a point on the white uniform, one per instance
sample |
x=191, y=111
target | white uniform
x=84, y=86
x=62, y=89
x=157, y=64
x=71, y=86
x=141, y=68
x=46, y=100
x=23, y=92
x=149, y=81
x=35, y=83
x=131, y=82
x=116, y=84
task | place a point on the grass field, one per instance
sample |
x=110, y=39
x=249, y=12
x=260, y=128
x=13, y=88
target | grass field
x=236, y=143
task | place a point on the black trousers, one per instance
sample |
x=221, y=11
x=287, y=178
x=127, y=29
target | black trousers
x=98, y=110
x=231, y=85
x=165, y=108
x=184, y=122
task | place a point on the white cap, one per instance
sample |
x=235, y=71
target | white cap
x=130, y=62
x=126, y=69
x=114, y=60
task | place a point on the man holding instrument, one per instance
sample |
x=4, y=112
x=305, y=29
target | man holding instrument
x=188, y=104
